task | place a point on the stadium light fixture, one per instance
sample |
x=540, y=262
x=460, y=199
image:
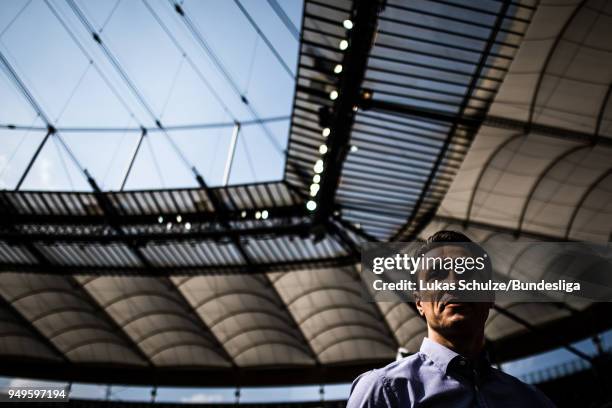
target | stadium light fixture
x=318, y=167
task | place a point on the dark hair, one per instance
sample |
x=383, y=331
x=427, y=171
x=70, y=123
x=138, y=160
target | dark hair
x=444, y=237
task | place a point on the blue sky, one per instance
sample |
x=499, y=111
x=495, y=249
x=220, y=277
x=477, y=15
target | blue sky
x=73, y=91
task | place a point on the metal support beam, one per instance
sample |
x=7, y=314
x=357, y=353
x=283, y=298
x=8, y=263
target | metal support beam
x=484, y=169
x=558, y=159
x=209, y=231
x=130, y=84
x=221, y=209
x=349, y=226
x=285, y=266
x=355, y=251
x=286, y=213
x=354, y=63
x=265, y=39
x=535, y=329
x=143, y=134
x=38, y=335
x=28, y=244
x=108, y=208
x=230, y=154
x=409, y=230
x=499, y=122
x=104, y=315
x=602, y=111
x=50, y=132
x=8, y=68
x=551, y=51
x=172, y=287
x=582, y=199
x=182, y=377
x=498, y=229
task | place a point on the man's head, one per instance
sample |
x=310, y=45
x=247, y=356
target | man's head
x=447, y=314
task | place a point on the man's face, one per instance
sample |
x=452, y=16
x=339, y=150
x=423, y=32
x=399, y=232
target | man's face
x=444, y=311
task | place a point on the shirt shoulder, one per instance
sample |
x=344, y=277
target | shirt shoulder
x=522, y=388
x=399, y=370
x=379, y=388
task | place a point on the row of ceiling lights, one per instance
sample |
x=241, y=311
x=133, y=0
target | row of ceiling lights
x=259, y=215
x=169, y=225
x=311, y=204
x=318, y=167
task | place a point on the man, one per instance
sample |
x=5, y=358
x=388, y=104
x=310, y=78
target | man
x=451, y=368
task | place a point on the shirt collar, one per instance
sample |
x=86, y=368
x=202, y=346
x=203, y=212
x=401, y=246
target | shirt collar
x=442, y=356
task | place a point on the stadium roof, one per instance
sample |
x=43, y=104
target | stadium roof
x=489, y=116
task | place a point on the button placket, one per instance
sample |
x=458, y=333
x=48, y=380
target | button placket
x=477, y=391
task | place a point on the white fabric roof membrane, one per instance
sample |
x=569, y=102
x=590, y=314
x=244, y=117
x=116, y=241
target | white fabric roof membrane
x=528, y=181
x=562, y=72
x=247, y=317
x=329, y=307
x=521, y=182
x=60, y=311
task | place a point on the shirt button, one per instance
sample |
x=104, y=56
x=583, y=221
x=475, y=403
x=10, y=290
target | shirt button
x=462, y=363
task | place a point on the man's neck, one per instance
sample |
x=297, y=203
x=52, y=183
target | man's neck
x=468, y=346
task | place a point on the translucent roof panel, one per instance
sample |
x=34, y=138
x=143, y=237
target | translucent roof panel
x=98, y=72
x=428, y=56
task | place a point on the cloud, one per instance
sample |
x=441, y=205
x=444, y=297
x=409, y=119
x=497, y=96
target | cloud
x=203, y=398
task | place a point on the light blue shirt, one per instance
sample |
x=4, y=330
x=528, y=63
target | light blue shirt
x=438, y=377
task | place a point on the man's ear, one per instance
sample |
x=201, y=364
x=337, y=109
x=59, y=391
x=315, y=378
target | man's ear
x=417, y=302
